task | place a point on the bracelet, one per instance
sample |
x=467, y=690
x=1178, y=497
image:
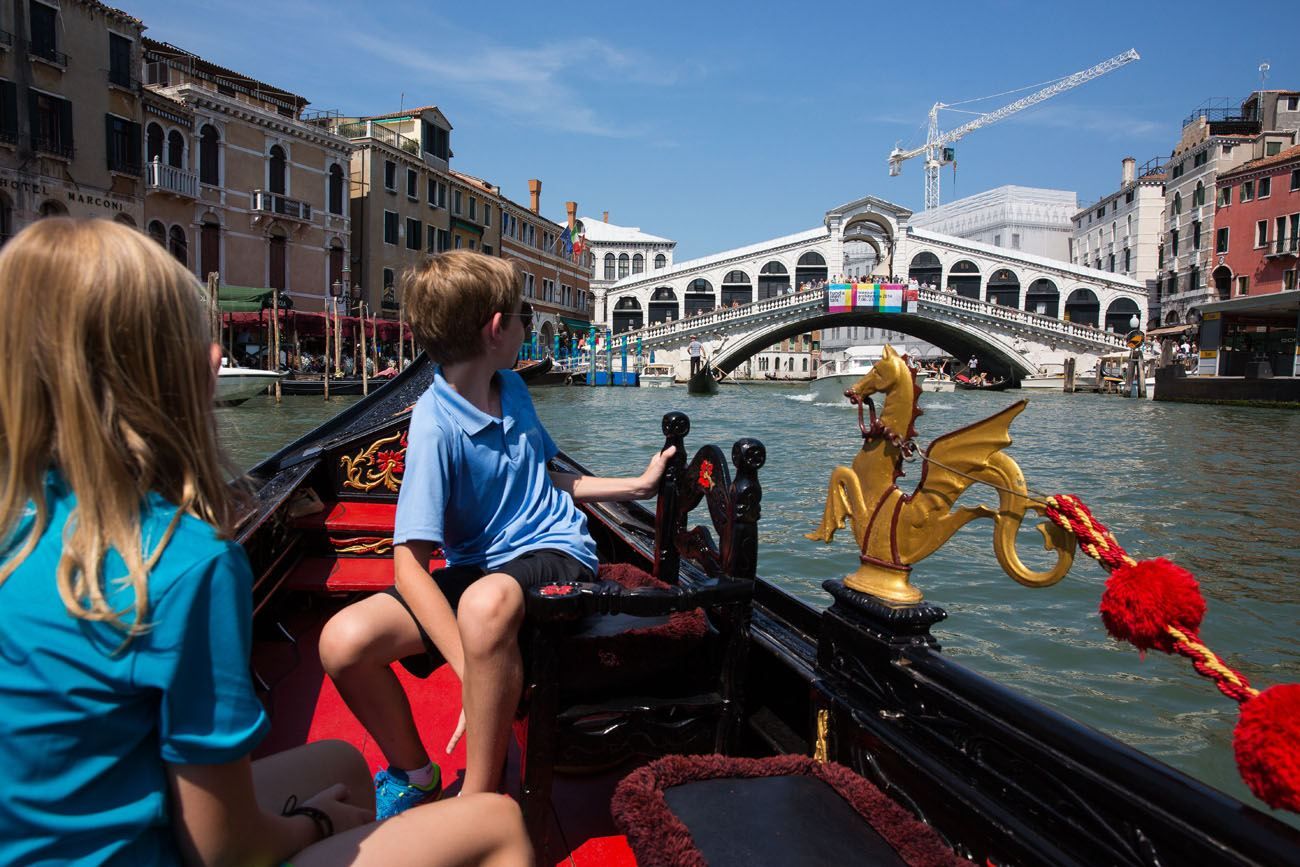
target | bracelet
x=324, y=825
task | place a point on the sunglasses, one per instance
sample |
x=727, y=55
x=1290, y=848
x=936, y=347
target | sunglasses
x=525, y=315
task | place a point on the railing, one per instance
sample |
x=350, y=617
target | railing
x=719, y=318
x=378, y=132
x=1283, y=247
x=53, y=147
x=280, y=205
x=48, y=54
x=122, y=167
x=6, y=39
x=1222, y=109
x=170, y=179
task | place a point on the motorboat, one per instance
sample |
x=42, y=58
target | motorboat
x=840, y=370
x=658, y=375
x=237, y=384
x=1044, y=382
x=933, y=384
x=705, y=656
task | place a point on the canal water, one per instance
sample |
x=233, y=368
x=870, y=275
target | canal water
x=1213, y=488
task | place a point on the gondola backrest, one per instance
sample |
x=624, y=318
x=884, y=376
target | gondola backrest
x=734, y=506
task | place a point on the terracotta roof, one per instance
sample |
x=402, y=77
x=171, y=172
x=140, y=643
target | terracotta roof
x=112, y=12
x=1264, y=162
x=487, y=185
x=408, y=112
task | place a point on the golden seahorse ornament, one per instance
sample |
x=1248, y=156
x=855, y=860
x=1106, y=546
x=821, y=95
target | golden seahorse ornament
x=895, y=530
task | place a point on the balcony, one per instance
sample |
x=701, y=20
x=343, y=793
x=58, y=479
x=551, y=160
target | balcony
x=48, y=54
x=160, y=178
x=1283, y=247
x=378, y=132
x=6, y=39
x=52, y=147
x=278, y=205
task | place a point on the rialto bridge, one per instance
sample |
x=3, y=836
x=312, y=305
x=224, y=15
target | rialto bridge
x=1016, y=311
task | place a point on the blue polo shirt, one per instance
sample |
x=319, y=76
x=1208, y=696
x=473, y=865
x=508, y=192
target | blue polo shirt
x=86, y=731
x=478, y=485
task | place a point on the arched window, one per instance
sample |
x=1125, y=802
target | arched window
x=209, y=172
x=699, y=296
x=175, y=149
x=736, y=289
x=661, y=261
x=336, y=189
x=773, y=280
x=178, y=245
x=1198, y=198
x=623, y=263
x=925, y=268
x=153, y=143
x=1178, y=204
x=158, y=232
x=638, y=264
x=209, y=247
x=609, y=266
x=1082, y=308
x=1120, y=313
x=276, y=178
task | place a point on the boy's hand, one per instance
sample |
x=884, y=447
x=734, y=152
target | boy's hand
x=648, y=483
x=458, y=734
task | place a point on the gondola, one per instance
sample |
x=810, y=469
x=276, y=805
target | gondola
x=762, y=676
x=532, y=372
x=967, y=384
x=316, y=387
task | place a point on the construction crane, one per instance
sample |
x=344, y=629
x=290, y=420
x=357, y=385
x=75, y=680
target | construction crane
x=937, y=148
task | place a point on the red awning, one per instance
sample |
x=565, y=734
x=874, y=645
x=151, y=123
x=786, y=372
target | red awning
x=309, y=324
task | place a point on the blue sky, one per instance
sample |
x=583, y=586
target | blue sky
x=722, y=124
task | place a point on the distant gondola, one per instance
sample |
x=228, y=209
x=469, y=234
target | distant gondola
x=967, y=384
x=996, y=777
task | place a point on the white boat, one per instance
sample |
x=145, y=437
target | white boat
x=237, y=384
x=657, y=376
x=840, y=370
x=1048, y=382
x=935, y=384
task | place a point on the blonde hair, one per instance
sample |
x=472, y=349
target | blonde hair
x=449, y=297
x=107, y=379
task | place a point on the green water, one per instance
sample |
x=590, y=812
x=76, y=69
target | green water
x=1212, y=488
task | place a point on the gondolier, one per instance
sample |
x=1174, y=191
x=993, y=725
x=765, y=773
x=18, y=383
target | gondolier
x=694, y=351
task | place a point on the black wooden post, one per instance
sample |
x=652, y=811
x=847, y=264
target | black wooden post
x=667, y=522
x=740, y=542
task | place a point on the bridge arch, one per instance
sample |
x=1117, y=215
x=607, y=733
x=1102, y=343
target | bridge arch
x=810, y=268
x=1042, y=297
x=627, y=314
x=1003, y=288
x=773, y=279
x=925, y=268
x=964, y=277
x=960, y=339
x=1120, y=313
x=700, y=297
x=663, y=305
x=1082, y=307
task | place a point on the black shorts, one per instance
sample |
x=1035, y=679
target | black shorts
x=529, y=569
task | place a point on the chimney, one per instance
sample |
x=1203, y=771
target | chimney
x=535, y=192
x=572, y=209
x=606, y=217
x=1130, y=171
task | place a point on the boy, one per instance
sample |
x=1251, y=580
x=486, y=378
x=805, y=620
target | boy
x=475, y=482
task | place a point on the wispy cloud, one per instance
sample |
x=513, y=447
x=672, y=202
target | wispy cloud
x=1096, y=121
x=539, y=86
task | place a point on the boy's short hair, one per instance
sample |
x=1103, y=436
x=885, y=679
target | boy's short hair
x=450, y=296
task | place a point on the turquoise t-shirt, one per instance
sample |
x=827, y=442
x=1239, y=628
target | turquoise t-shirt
x=86, y=732
x=479, y=484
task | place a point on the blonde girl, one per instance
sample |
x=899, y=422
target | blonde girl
x=126, y=710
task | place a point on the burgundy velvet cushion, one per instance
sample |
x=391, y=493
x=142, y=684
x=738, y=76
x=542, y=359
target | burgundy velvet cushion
x=660, y=838
x=620, y=648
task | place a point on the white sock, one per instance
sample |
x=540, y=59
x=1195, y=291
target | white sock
x=421, y=777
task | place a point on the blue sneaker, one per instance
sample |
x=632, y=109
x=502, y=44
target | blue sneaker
x=393, y=793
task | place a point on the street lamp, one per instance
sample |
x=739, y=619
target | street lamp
x=1134, y=322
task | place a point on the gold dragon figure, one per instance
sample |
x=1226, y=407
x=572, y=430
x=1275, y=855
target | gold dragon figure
x=895, y=530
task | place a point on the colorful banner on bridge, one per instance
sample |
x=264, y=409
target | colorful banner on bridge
x=870, y=298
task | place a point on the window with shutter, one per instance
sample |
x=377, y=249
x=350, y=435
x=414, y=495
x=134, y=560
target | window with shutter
x=8, y=112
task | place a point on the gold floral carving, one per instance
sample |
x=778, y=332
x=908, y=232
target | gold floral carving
x=376, y=465
x=363, y=545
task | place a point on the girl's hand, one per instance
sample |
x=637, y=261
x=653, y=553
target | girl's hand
x=458, y=734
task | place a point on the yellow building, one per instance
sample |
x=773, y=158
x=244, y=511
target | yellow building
x=70, y=112
x=238, y=183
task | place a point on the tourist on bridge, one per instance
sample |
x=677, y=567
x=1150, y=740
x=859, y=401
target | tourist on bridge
x=694, y=351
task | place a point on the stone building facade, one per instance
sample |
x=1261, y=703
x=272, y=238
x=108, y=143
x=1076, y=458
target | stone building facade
x=1257, y=229
x=238, y=183
x=1121, y=232
x=618, y=252
x=1216, y=138
x=556, y=284
x=70, y=113
x=1029, y=219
